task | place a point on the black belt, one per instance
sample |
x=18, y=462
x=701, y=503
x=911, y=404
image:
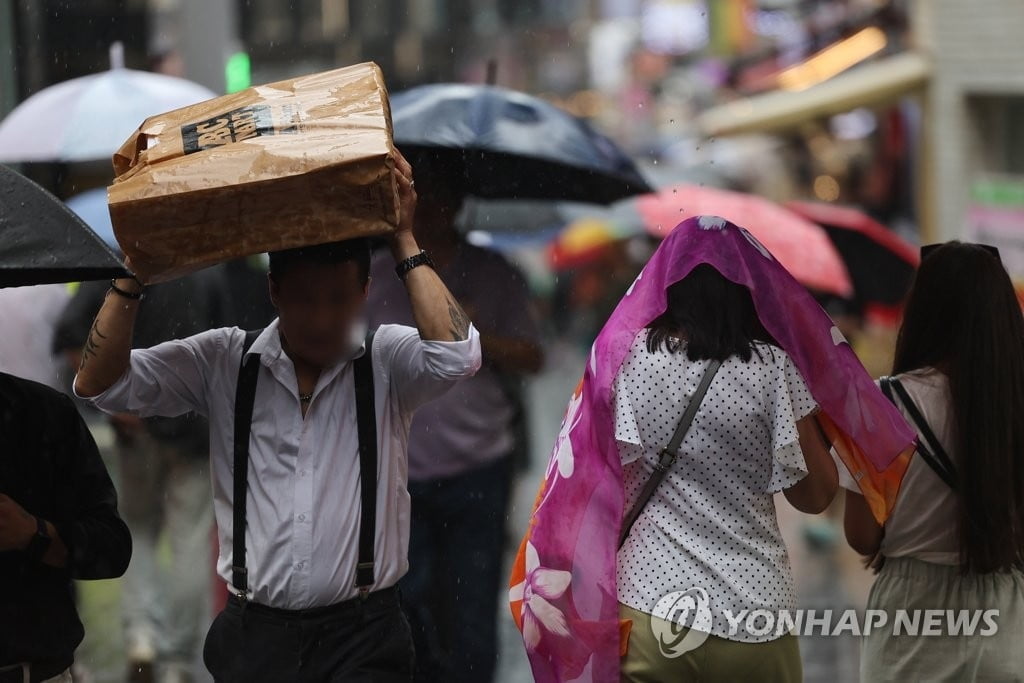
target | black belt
x=386, y=597
x=37, y=672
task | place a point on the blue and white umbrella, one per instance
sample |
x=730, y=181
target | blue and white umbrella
x=89, y=118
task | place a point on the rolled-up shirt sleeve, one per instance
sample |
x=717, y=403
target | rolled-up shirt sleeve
x=423, y=370
x=167, y=380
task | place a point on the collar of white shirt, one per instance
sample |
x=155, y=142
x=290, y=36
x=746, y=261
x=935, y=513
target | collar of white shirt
x=273, y=356
x=268, y=345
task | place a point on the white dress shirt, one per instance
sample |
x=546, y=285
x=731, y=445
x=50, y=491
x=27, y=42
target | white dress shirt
x=304, y=506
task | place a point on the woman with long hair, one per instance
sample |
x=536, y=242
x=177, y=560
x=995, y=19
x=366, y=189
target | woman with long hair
x=955, y=538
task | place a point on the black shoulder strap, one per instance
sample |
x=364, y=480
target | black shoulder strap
x=671, y=451
x=366, y=419
x=929, y=446
x=245, y=398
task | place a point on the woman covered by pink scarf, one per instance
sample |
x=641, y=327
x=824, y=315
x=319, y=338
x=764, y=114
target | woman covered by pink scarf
x=563, y=593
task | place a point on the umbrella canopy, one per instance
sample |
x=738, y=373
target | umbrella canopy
x=512, y=145
x=91, y=207
x=881, y=264
x=584, y=241
x=88, y=118
x=801, y=246
x=42, y=241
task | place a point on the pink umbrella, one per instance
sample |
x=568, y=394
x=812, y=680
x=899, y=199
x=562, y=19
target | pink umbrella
x=801, y=246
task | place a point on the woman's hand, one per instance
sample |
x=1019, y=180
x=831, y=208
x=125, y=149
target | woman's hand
x=814, y=493
x=863, y=533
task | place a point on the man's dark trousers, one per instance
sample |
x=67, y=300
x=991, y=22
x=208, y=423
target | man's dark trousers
x=358, y=641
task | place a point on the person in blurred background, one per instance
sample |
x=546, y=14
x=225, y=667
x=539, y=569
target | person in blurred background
x=955, y=539
x=58, y=522
x=30, y=316
x=164, y=484
x=461, y=445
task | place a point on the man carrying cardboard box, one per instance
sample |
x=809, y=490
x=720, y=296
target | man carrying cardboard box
x=301, y=415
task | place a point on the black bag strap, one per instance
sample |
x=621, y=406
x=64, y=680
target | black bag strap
x=929, y=446
x=366, y=420
x=670, y=452
x=245, y=398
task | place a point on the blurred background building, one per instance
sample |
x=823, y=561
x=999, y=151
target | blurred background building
x=909, y=108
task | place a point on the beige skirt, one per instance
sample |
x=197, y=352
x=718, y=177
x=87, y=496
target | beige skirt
x=990, y=650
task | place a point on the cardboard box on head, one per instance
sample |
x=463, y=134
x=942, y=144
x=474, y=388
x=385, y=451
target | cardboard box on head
x=289, y=164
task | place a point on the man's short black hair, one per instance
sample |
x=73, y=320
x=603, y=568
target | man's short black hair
x=332, y=253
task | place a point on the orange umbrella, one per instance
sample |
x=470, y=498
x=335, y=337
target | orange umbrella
x=584, y=242
x=801, y=246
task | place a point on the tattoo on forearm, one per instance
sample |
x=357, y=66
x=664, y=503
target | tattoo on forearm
x=92, y=344
x=460, y=321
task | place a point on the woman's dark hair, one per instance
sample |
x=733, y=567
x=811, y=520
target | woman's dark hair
x=963, y=319
x=715, y=316
x=332, y=253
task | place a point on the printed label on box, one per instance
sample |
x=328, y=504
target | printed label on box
x=236, y=126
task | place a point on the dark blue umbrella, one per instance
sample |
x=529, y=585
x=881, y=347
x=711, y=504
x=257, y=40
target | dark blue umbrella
x=510, y=145
x=42, y=241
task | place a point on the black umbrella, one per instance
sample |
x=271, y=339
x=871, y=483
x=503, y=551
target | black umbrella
x=42, y=241
x=510, y=145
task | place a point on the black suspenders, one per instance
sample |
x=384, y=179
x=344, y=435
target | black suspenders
x=366, y=420
x=245, y=398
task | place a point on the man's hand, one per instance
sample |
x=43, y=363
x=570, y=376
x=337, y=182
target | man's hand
x=438, y=315
x=16, y=526
x=406, y=192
